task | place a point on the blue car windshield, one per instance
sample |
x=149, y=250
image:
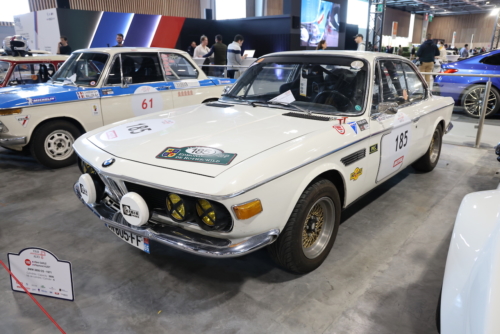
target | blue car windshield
x=82, y=69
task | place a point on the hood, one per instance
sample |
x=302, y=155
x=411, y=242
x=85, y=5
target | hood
x=31, y=95
x=201, y=139
x=428, y=42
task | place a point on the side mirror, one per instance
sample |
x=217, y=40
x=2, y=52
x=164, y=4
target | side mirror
x=388, y=108
x=226, y=90
x=126, y=81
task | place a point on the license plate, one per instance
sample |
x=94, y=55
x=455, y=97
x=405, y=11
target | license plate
x=131, y=238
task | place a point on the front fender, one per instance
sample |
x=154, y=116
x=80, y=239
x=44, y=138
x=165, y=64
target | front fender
x=471, y=293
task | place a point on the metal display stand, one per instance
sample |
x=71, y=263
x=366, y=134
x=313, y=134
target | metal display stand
x=375, y=24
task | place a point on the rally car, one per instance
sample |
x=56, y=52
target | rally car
x=15, y=71
x=299, y=137
x=96, y=87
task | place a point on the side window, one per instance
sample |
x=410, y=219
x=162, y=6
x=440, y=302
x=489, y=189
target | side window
x=393, y=82
x=177, y=67
x=416, y=91
x=31, y=73
x=491, y=60
x=141, y=67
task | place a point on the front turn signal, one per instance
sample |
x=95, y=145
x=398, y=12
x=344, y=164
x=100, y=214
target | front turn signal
x=5, y=112
x=248, y=210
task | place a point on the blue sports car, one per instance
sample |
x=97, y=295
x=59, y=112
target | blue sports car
x=468, y=91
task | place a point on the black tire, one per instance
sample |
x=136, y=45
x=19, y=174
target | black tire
x=438, y=313
x=288, y=250
x=430, y=159
x=59, y=137
x=471, y=99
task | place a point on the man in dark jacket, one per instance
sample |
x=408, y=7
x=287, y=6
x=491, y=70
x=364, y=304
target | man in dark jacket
x=426, y=53
x=219, y=50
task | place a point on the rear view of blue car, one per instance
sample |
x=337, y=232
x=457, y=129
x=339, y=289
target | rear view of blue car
x=468, y=91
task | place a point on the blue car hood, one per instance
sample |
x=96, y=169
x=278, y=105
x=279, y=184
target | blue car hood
x=26, y=95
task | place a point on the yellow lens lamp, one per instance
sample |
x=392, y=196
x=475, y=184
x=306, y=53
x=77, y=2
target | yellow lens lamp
x=13, y=111
x=248, y=210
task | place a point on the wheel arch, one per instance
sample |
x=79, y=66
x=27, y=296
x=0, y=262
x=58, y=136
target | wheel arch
x=71, y=120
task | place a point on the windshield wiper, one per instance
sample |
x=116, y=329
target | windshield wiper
x=282, y=104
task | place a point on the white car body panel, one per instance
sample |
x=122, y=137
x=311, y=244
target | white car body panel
x=470, y=301
x=277, y=156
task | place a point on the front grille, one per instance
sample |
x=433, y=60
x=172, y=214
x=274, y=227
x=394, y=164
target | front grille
x=155, y=198
x=352, y=158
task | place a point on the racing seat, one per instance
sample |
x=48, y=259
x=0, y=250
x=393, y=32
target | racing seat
x=148, y=72
x=43, y=74
x=128, y=68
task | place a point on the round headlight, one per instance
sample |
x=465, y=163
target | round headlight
x=206, y=212
x=176, y=207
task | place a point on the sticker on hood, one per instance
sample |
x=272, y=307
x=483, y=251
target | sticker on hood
x=201, y=154
x=136, y=129
x=32, y=101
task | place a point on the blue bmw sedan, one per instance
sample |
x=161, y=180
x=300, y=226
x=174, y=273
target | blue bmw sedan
x=468, y=91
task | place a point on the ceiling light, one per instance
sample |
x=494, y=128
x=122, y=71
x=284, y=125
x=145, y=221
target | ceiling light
x=494, y=11
x=487, y=2
x=432, y=6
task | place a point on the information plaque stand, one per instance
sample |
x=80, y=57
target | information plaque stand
x=41, y=273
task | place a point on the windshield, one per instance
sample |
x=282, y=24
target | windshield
x=4, y=68
x=82, y=69
x=329, y=85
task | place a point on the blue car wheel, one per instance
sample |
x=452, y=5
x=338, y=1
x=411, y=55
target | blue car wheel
x=472, y=100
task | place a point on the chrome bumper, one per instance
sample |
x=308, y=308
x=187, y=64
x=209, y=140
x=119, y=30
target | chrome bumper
x=12, y=141
x=182, y=239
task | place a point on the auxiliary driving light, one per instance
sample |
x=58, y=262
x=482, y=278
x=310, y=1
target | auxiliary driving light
x=90, y=187
x=206, y=212
x=247, y=210
x=134, y=209
x=177, y=208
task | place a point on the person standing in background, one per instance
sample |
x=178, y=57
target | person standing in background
x=234, y=55
x=191, y=48
x=412, y=54
x=119, y=40
x=321, y=45
x=219, y=51
x=400, y=51
x=63, y=47
x=426, y=54
x=361, y=45
x=443, y=55
x=464, y=52
x=201, y=49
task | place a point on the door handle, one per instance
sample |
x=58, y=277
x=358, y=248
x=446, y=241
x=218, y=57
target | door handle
x=415, y=120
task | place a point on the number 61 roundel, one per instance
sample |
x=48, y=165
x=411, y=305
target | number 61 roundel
x=395, y=148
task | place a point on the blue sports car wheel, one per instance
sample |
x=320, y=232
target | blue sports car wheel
x=472, y=101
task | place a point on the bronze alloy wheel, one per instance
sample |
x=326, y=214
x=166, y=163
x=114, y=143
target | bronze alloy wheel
x=473, y=101
x=318, y=227
x=435, y=147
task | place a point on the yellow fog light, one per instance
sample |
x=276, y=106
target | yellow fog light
x=6, y=112
x=176, y=207
x=248, y=210
x=206, y=212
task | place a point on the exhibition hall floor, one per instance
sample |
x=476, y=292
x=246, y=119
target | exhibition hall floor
x=383, y=275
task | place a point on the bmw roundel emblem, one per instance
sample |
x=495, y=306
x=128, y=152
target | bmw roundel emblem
x=108, y=162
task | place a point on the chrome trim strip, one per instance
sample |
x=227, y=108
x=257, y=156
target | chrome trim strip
x=13, y=141
x=176, y=240
x=51, y=104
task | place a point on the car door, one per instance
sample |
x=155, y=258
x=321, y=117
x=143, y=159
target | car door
x=393, y=134
x=135, y=86
x=188, y=85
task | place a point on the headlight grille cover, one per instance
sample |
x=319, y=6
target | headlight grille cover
x=206, y=212
x=176, y=207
